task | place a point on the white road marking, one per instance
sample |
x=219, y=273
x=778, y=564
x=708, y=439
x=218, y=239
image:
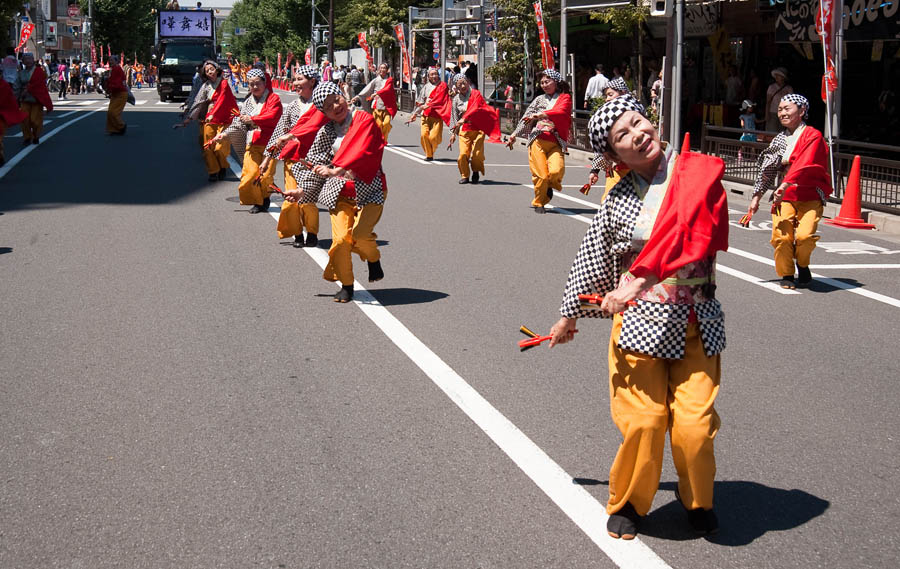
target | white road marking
x=161, y=103
x=576, y=502
x=66, y=114
x=857, y=266
x=86, y=103
x=142, y=102
x=26, y=151
x=755, y=280
x=19, y=134
x=407, y=154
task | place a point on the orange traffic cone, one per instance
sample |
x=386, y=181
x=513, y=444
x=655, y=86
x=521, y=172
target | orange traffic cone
x=851, y=214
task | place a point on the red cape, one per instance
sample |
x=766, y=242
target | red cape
x=438, y=104
x=305, y=130
x=808, y=168
x=267, y=119
x=481, y=116
x=223, y=102
x=116, y=81
x=693, y=218
x=37, y=86
x=561, y=115
x=362, y=148
x=388, y=96
x=9, y=107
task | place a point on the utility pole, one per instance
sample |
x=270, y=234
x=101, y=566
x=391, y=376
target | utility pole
x=331, y=32
x=312, y=31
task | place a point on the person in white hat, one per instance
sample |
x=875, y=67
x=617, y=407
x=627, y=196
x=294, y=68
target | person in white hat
x=776, y=91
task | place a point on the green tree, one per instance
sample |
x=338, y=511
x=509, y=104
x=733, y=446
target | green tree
x=628, y=21
x=8, y=10
x=516, y=23
x=126, y=26
x=270, y=27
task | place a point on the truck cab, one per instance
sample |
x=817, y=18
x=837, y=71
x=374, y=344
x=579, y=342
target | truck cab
x=184, y=40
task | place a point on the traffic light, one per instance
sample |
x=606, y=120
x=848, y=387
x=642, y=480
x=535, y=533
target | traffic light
x=661, y=8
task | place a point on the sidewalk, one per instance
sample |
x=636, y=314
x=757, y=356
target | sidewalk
x=739, y=198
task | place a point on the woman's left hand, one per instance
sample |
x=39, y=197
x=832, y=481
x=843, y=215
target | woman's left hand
x=617, y=300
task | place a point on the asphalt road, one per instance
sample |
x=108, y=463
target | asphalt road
x=178, y=390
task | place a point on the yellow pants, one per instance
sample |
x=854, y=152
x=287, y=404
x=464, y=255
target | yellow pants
x=793, y=234
x=471, y=147
x=548, y=166
x=432, y=134
x=352, y=231
x=215, y=157
x=200, y=130
x=250, y=192
x=309, y=212
x=649, y=396
x=383, y=119
x=114, y=122
x=33, y=125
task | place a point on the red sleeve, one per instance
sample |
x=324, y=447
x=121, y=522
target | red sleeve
x=116, y=83
x=482, y=116
x=561, y=115
x=809, y=162
x=270, y=113
x=362, y=148
x=388, y=96
x=693, y=218
x=305, y=130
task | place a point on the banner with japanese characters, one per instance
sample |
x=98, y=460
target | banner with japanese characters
x=185, y=24
x=547, y=60
x=27, y=30
x=404, y=53
x=365, y=46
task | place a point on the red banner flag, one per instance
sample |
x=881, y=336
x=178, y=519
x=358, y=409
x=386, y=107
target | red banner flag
x=365, y=46
x=547, y=59
x=404, y=53
x=823, y=27
x=287, y=63
x=308, y=57
x=27, y=30
x=93, y=56
x=278, y=65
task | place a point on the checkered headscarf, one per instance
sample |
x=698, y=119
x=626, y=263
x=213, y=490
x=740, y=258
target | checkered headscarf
x=606, y=116
x=321, y=92
x=800, y=101
x=457, y=77
x=309, y=72
x=552, y=74
x=255, y=73
x=619, y=85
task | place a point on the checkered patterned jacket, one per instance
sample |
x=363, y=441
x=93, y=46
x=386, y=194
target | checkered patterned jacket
x=326, y=190
x=289, y=118
x=654, y=328
x=540, y=104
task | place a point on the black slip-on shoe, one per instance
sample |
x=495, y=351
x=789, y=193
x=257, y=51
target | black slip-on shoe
x=787, y=282
x=344, y=295
x=376, y=273
x=475, y=177
x=298, y=241
x=213, y=178
x=539, y=209
x=256, y=209
x=624, y=524
x=222, y=173
x=463, y=180
x=703, y=522
x=312, y=240
x=804, y=276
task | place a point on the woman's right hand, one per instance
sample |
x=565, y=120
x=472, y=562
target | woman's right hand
x=293, y=196
x=563, y=331
x=754, y=205
x=511, y=142
x=592, y=179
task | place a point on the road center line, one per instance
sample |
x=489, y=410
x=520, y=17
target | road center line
x=26, y=151
x=576, y=502
x=407, y=154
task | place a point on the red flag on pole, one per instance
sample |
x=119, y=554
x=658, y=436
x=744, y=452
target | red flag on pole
x=547, y=59
x=404, y=53
x=27, y=30
x=365, y=45
x=308, y=57
x=278, y=65
x=823, y=27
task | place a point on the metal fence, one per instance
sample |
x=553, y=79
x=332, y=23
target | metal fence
x=879, y=164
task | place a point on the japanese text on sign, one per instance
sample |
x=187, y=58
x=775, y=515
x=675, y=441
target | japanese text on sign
x=185, y=24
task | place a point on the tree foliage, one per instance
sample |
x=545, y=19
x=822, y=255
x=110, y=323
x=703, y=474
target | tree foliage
x=623, y=20
x=8, y=10
x=270, y=27
x=126, y=26
x=516, y=22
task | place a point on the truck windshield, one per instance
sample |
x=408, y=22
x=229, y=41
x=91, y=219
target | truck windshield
x=184, y=53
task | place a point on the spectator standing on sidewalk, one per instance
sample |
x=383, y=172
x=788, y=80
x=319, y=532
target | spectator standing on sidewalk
x=775, y=92
x=595, y=86
x=62, y=77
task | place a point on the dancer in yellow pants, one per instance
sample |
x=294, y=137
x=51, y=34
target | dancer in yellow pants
x=379, y=109
x=214, y=106
x=471, y=140
x=433, y=102
x=547, y=119
x=664, y=352
x=799, y=153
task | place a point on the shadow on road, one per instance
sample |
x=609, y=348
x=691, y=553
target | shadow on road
x=746, y=511
x=399, y=296
x=4, y=250
x=150, y=165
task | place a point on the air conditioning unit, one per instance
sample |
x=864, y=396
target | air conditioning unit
x=473, y=12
